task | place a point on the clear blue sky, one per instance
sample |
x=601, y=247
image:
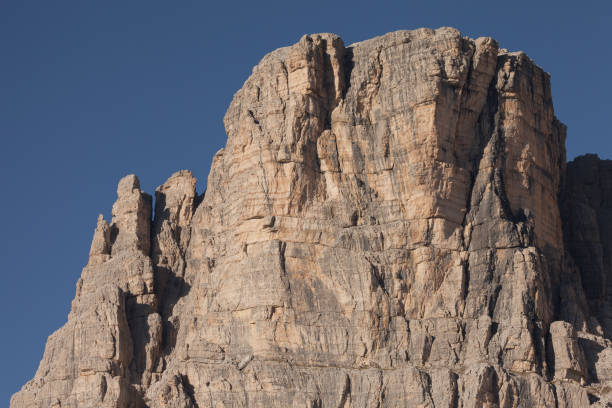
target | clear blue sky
x=93, y=90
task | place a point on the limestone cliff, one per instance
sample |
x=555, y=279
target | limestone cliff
x=391, y=223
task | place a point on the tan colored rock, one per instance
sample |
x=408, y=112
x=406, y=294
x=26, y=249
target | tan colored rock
x=101, y=243
x=381, y=229
x=568, y=355
x=131, y=226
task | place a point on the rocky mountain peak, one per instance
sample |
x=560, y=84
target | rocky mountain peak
x=391, y=223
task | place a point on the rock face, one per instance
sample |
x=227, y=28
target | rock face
x=390, y=224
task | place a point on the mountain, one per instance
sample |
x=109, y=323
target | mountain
x=391, y=223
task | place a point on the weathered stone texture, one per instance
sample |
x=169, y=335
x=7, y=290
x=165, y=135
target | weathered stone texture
x=382, y=229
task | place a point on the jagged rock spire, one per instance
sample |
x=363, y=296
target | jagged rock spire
x=131, y=224
x=101, y=243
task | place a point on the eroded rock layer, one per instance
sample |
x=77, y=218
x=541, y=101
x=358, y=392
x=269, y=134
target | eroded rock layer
x=383, y=228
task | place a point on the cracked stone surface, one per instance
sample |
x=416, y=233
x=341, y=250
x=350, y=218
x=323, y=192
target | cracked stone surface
x=391, y=223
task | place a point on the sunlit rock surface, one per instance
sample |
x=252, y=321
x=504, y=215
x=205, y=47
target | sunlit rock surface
x=390, y=224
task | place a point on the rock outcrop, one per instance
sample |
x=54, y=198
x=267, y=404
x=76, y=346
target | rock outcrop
x=390, y=224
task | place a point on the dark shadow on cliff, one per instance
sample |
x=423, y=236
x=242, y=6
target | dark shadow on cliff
x=349, y=64
x=189, y=390
x=138, y=322
x=591, y=351
x=175, y=289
